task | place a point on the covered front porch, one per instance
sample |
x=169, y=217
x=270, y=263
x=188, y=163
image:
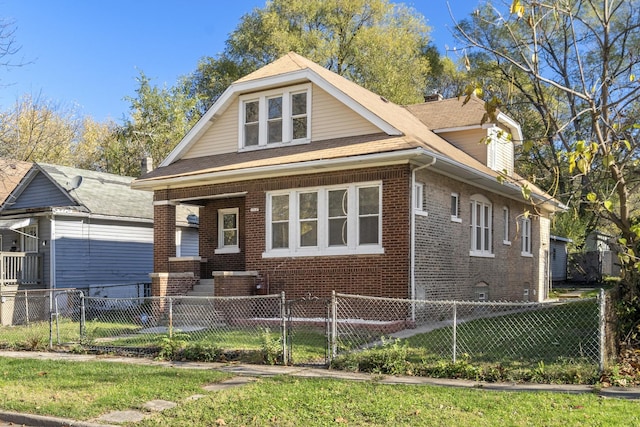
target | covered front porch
x=221, y=253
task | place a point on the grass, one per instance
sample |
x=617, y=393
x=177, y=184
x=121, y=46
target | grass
x=83, y=390
x=553, y=344
x=287, y=401
x=86, y=390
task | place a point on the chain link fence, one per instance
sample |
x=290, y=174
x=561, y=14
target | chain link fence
x=491, y=332
x=308, y=330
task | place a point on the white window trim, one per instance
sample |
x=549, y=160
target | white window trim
x=287, y=128
x=178, y=243
x=482, y=202
x=230, y=249
x=506, y=216
x=526, y=234
x=456, y=217
x=418, y=199
x=323, y=248
x=24, y=235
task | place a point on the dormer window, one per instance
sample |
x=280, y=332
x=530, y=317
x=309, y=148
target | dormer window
x=275, y=118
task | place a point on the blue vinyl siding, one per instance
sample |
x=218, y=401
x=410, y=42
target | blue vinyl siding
x=190, y=242
x=41, y=192
x=94, y=252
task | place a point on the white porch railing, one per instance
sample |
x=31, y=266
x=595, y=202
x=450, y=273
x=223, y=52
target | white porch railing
x=20, y=268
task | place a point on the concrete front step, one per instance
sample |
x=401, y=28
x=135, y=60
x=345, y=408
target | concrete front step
x=204, y=288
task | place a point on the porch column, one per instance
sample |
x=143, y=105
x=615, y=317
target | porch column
x=164, y=235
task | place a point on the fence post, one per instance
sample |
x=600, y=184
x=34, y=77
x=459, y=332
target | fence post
x=455, y=330
x=50, y=330
x=170, y=318
x=26, y=306
x=283, y=327
x=602, y=323
x=82, y=316
x=56, y=314
x=334, y=326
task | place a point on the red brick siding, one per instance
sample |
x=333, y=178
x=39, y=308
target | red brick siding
x=172, y=284
x=444, y=268
x=379, y=275
x=228, y=286
x=209, y=237
x=164, y=236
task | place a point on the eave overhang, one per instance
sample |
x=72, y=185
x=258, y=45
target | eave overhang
x=417, y=156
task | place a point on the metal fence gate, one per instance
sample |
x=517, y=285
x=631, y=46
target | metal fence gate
x=308, y=330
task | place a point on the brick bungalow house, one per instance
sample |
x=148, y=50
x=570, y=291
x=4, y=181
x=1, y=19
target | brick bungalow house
x=309, y=183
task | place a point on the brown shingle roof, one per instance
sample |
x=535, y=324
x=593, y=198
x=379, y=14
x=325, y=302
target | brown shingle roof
x=407, y=127
x=11, y=173
x=449, y=113
x=317, y=150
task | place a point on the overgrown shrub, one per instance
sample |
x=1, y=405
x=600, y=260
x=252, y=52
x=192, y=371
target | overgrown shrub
x=271, y=348
x=202, y=353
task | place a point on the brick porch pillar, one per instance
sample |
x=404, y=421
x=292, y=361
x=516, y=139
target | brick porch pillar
x=164, y=235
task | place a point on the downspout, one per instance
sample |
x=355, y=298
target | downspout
x=413, y=232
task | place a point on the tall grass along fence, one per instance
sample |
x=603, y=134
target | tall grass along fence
x=310, y=330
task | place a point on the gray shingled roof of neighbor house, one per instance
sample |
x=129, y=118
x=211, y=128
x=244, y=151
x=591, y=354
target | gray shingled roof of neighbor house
x=101, y=193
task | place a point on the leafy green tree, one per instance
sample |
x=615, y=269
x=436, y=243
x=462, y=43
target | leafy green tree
x=573, y=63
x=159, y=119
x=38, y=130
x=377, y=44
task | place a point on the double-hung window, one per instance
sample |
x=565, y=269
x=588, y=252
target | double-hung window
x=525, y=236
x=228, y=231
x=505, y=226
x=481, y=225
x=275, y=118
x=338, y=220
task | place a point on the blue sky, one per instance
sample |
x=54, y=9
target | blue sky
x=87, y=54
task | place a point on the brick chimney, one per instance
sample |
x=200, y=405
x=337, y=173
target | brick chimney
x=433, y=97
x=146, y=165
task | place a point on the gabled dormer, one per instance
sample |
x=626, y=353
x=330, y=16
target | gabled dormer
x=465, y=126
x=291, y=101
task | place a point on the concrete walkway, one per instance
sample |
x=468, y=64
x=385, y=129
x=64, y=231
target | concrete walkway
x=244, y=374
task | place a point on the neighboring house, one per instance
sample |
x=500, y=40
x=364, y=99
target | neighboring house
x=309, y=183
x=62, y=227
x=598, y=260
x=559, y=259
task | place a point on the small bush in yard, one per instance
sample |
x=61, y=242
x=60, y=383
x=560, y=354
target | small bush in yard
x=271, y=348
x=171, y=347
x=388, y=358
x=201, y=353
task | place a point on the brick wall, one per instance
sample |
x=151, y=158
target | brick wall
x=172, y=284
x=444, y=268
x=378, y=275
x=209, y=237
x=229, y=285
x=164, y=235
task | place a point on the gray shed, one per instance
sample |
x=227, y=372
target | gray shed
x=558, y=255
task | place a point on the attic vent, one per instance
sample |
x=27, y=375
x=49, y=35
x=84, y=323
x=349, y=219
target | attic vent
x=384, y=99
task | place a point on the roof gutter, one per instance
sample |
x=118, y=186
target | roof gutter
x=301, y=168
x=481, y=179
